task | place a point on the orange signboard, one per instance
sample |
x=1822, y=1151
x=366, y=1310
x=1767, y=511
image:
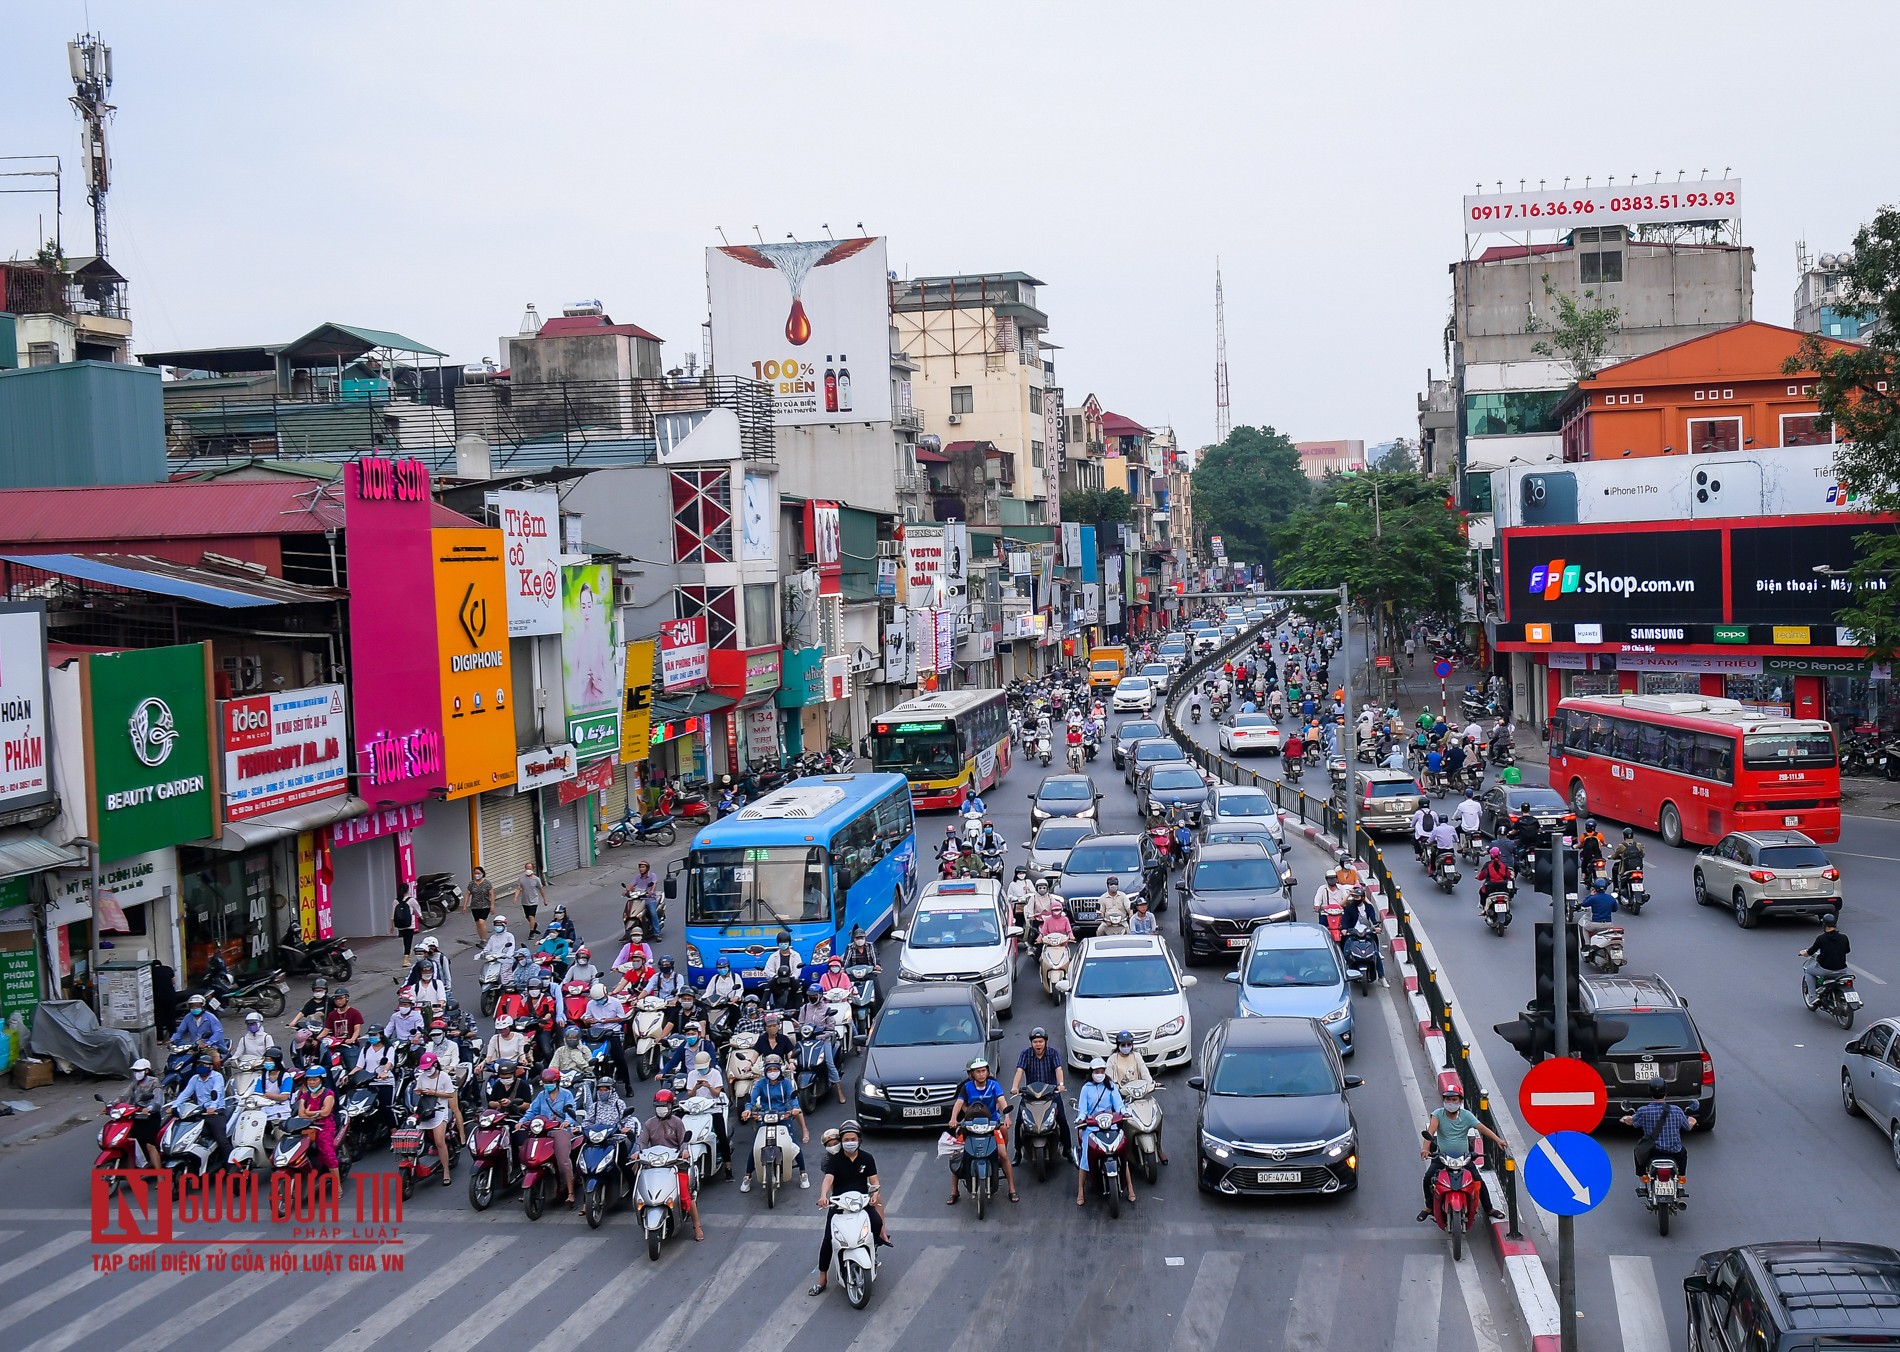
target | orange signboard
x=471, y=625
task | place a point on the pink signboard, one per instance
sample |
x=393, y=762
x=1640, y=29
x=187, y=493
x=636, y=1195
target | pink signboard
x=395, y=682
x=383, y=822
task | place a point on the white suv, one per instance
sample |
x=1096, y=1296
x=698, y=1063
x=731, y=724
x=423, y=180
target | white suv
x=961, y=931
x=1128, y=981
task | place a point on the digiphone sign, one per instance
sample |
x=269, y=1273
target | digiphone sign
x=1623, y=575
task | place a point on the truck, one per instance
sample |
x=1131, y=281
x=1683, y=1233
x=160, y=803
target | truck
x=1106, y=666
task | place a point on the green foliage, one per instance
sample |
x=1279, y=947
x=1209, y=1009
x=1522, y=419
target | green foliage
x=1859, y=388
x=1097, y=506
x=1401, y=457
x=1412, y=565
x=1245, y=488
x=1580, y=333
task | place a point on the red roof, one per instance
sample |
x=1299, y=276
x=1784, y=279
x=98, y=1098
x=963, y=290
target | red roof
x=930, y=457
x=1497, y=253
x=173, y=511
x=1114, y=425
x=578, y=326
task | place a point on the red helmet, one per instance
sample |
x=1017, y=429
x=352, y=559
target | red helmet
x=550, y=1076
x=662, y=1096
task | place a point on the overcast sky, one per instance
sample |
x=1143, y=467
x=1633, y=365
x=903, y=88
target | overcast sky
x=432, y=168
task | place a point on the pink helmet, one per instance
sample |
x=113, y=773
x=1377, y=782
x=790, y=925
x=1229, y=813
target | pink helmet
x=428, y=1061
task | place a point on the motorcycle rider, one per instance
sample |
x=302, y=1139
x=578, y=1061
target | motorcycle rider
x=1330, y=895
x=1295, y=748
x=1444, y=841
x=583, y=967
x=607, y=1012
x=1036, y=910
x=1141, y=922
x=775, y=1041
x=429, y=959
x=500, y=945
x=1126, y=1067
x=1662, y=1124
x=556, y=1107
x=852, y=1169
x=405, y=1023
x=1446, y=1132
x=1493, y=874
x=981, y=1095
x=146, y=1094
x=1454, y=762
x=861, y=952
x=751, y=1021
x=345, y=1026
x=1827, y=958
x=990, y=845
x=679, y=1055
x=1099, y=1095
x=665, y=1130
x=668, y=984
x=1602, y=908
x=951, y=850
x=508, y=1043
x=775, y=1094
x=1361, y=914
x=1470, y=814
x=639, y=894
x=571, y=1058
x=1592, y=849
x=1424, y=822
x=705, y=1081
x=430, y=993
x=1626, y=857
x=1036, y=1064
x=316, y=1007
x=636, y=955
x=724, y=986
x=255, y=1041
x=782, y=970
x=1019, y=891
x=200, y=1027
x=1115, y=909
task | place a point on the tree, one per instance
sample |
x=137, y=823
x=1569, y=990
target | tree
x=1246, y=487
x=1400, y=457
x=1859, y=389
x=1096, y=506
x=1580, y=333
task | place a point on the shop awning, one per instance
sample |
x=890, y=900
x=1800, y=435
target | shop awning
x=272, y=826
x=23, y=850
x=675, y=708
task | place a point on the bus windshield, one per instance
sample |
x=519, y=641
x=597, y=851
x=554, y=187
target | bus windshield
x=928, y=749
x=766, y=885
x=1786, y=750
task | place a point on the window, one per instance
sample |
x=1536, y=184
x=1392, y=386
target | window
x=1075, y=429
x=761, y=614
x=1606, y=266
x=1035, y=454
x=1478, y=489
x=1505, y=413
x=1806, y=429
x=1714, y=434
x=961, y=400
x=757, y=886
x=854, y=850
x=1035, y=398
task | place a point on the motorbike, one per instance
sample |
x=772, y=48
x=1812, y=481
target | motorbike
x=604, y=1171
x=1053, y=965
x=438, y=895
x=1662, y=1190
x=1496, y=900
x=652, y=828
x=600, y=1050
x=1143, y=1120
x=814, y=1079
x=265, y=994
x=838, y=1005
x=980, y=1166
x=416, y=1157
x=332, y=958
x=649, y=1017
x=1470, y=846
x=657, y=1196
x=1632, y=894
x=863, y=1000
x=853, y=1247
x=993, y=859
x=185, y=1147
x=1332, y=914
x=772, y=1152
x=1362, y=957
x=1435, y=784
x=1107, y=1148
x=1195, y=711
x=254, y=1134
x=539, y=1173
x=1445, y=870
x=1603, y=948
x=295, y=1152
x=1043, y=750
x=492, y=984
x=1162, y=837
x=117, y=1148
x=1455, y=1198
x=1039, y=1128
x=687, y=805
x=1293, y=767
x=493, y=1165
x=702, y=1141
x=1075, y=758
x=1837, y=998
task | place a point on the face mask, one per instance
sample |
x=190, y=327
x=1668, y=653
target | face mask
x=1100, y=1076
x=772, y=1074
x=663, y=1110
x=141, y=1074
x=437, y=1037
x=832, y=1149
x=851, y=1146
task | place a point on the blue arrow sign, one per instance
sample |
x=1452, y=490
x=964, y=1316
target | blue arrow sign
x=1567, y=1173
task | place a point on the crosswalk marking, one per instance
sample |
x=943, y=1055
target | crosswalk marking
x=1638, y=1304
x=176, y=1328
x=53, y=1292
x=989, y=1321
x=1206, y=1307
x=1478, y=1308
x=492, y=1313
x=285, y=1320
x=595, y=1313
x=900, y=1307
x=98, y=1316
x=417, y=1294
x=678, y=1328
x=52, y=1248
x=1421, y=1297
x=1309, y=1321
x=904, y=1181
x=785, y=1323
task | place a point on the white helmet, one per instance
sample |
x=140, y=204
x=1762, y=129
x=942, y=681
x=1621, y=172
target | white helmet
x=1097, y=1064
x=141, y=1065
x=500, y=922
x=597, y=991
x=505, y=1024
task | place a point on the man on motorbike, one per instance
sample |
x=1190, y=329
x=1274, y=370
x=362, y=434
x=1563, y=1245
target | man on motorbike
x=1493, y=874
x=775, y=1094
x=1827, y=958
x=1592, y=849
x=571, y=1058
x=1662, y=1124
x=1469, y=814
x=1454, y=762
x=606, y=1013
x=704, y=1080
x=1602, y=908
x=583, y=968
x=724, y=986
x=508, y=1044
x=775, y=1041
x=1443, y=841
x=1141, y=922
x=557, y=1108
x=1330, y=895
x=751, y=1020
x=639, y=895
x=678, y=1056
x=1037, y=1064
x=507, y=1090
x=1627, y=857
x=850, y=1170
x=991, y=845
x=782, y=970
x=405, y=1023
x=146, y=1093
x=1361, y=916
x=669, y=1132
x=1295, y=748
x=982, y=1096
x=1115, y=909
x=204, y=1086
x=1099, y=1095
x=1126, y=1067
x=1447, y=1132
x=200, y=1028
x=500, y=946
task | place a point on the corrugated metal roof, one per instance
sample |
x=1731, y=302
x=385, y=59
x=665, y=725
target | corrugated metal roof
x=1115, y=425
x=120, y=513
x=235, y=587
x=347, y=342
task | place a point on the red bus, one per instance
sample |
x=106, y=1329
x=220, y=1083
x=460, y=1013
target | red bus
x=1695, y=767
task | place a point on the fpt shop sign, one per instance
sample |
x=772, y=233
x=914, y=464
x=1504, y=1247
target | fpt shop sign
x=1620, y=576
x=282, y=750
x=149, y=775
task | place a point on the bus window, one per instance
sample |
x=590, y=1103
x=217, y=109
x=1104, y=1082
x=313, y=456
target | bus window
x=1649, y=744
x=1575, y=731
x=1714, y=757
x=1787, y=750
x=928, y=750
x=769, y=885
x=854, y=850
x=1599, y=737
x=893, y=818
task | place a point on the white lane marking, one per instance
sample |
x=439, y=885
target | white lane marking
x=678, y=1328
x=1207, y=1301
x=904, y=1180
x=1858, y=970
x=1309, y=1323
x=98, y=1316
x=787, y=1321
x=1549, y=1152
x=1639, y=1308
x=593, y=1314
x=1484, y=1331
x=22, y=1306
x=894, y=1313
x=175, y=1329
x=1421, y=1297
x=51, y=1249
x=1849, y=854
x=285, y=1320
x=989, y=1322
x=417, y=1293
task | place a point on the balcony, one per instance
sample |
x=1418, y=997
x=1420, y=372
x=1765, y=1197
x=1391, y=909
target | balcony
x=907, y=420
x=912, y=483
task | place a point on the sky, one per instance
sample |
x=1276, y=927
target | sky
x=434, y=168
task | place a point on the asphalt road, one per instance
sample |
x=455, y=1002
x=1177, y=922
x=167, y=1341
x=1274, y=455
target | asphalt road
x=1785, y=1161
x=1178, y=1272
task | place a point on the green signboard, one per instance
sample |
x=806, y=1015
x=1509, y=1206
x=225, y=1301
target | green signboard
x=150, y=722
x=1731, y=633
x=19, y=982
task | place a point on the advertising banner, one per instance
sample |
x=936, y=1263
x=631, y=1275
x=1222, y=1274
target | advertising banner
x=900, y=667
x=824, y=544
x=946, y=644
x=1089, y=569
x=590, y=658
x=544, y=766
x=309, y=844
x=1784, y=481
x=283, y=749
x=794, y=314
x=1773, y=575
x=531, y=528
x=887, y=577
x=395, y=682
x=923, y=642
x=956, y=567
x=683, y=654
x=636, y=710
x=1658, y=203
x=803, y=681
x=149, y=722
x=1621, y=576
x=25, y=779
x=594, y=777
x=375, y=825
x=1071, y=544
x=923, y=574
x=472, y=587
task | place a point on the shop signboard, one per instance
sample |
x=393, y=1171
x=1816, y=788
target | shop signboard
x=887, y=577
x=956, y=567
x=590, y=658
x=544, y=766
x=25, y=777
x=1756, y=482
x=1626, y=575
x=282, y=750
x=804, y=679
x=530, y=529
x=1658, y=203
x=683, y=654
x=923, y=574
x=477, y=673
x=823, y=544
x=1071, y=544
x=19, y=982
x=308, y=845
x=387, y=821
x=150, y=776
x=761, y=734
x=636, y=709
x=1793, y=572
x=595, y=777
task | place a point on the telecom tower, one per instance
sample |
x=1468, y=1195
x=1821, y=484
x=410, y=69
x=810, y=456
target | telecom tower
x=91, y=63
x=1223, y=416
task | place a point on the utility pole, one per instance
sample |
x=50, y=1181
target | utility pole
x=1561, y=900
x=1223, y=416
x=90, y=61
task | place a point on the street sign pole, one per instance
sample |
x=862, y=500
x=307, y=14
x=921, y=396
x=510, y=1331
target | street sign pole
x=1444, y=701
x=1348, y=733
x=1560, y=1004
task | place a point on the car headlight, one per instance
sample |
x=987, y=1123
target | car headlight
x=1216, y=1147
x=1086, y=1030
x=1339, y=1015
x=692, y=956
x=906, y=974
x=1088, y=811
x=997, y=972
x=1172, y=1026
x=870, y=1089
x=1338, y=1146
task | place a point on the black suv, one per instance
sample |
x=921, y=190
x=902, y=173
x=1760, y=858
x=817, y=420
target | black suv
x=1662, y=1044
x=1503, y=804
x=1130, y=859
x=1794, y=1295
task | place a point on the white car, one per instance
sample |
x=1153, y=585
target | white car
x=1250, y=732
x=1205, y=641
x=1135, y=694
x=1128, y=981
x=1244, y=803
x=1158, y=675
x=961, y=931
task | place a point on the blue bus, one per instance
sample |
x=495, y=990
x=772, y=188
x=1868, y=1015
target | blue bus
x=811, y=859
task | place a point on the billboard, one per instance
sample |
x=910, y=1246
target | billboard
x=1784, y=481
x=683, y=654
x=1619, y=576
x=283, y=749
x=590, y=658
x=473, y=589
x=148, y=733
x=956, y=566
x=636, y=708
x=531, y=528
x=1773, y=577
x=824, y=544
x=1633, y=204
x=791, y=315
x=923, y=565
x=25, y=779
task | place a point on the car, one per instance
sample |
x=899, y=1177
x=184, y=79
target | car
x=1229, y=632
x=1174, y=652
x=1502, y=804
x=1132, y=731
x=1205, y=641
x=1273, y=1116
x=1128, y=982
x=1870, y=1079
x=1158, y=674
x=1064, y=796
x=1131, y=859
x=1133, y=694
x=1251, y=831
x=1662, y=1044
x=1758, y=874
x=1150, y=751
x=960, y=930
x=1387, y=799
x=1294, y=969
x=1172, y=784
x=1230, y=891
x=1243, y=803
x=1249, y=733
x=1794, y=1295
x=919, y=1051
x=1049, y=847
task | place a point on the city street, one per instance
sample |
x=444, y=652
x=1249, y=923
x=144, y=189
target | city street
x=1178, y=1271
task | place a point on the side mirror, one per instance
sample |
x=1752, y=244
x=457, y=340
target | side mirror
x=1696, y=1284
x=1354, y=1081
x=1231, y=978
x=1182, y=888
x=670, y=889
x=1196, y=1082
x=996, y=1032
x=1189, y=982
x=1013, y=932
x=899, y=935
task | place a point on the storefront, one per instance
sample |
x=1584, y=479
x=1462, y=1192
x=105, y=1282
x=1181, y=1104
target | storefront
x=749, y=679
x=801, y=697
x=370, y=859
x=508, y=830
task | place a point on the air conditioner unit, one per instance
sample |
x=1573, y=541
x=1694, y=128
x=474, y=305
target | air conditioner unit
x=624, y=592
x=955, y=419
x=887, y=549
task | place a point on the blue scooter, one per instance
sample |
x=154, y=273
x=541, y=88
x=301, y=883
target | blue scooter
x=979, y=1160
x=656, y=828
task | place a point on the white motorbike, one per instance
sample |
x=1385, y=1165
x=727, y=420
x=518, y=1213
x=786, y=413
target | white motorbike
x=1143, y=1120
x=254, y=1129
x=1043, y=750
x=702, y=1141
x=184, y=1146
x=773, y=1150
x=649, y=1017
x=656, y=1195
x=744, y=1065
x=972, y=826
x=853, y=1246
x=1053, y=965
x=1603, y=947
x=839, y=1004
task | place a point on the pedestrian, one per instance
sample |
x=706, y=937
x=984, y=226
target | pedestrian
x=481, y=900
x=407, y=918
x=1411, y=652
x=528, y=894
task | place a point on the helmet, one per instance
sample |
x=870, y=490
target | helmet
x=538, y=983
x=430, y=944
x=850, y=1127
x=1097, y=1063
x=504, y=1024
x=141, y=1065
x=950, y=830
x=1124, y=1038
x=775, y=1062
x=835, y=962
x=597, y=991
x=751, y=998
x=662, y=1098
x=196, y=1002
x=439, y=1026
x=571, y=1033
x=1590, y=823
x=315, y=1073
x=1038, y=1032
x=253, y=1017
x=1452, y=1091
x=723, y=965
x=978, y=1063
x=666, y=964
x=702, y=1061
x=1496, y=853
x=320, y=984
x=1332, y=873
x=831, y=1136
x=427, y=1062
x=635, y=934
x=584, y=952
x=815, y=989
x=559, y=911
x=604, y=1085
x=772, y=1016
x=1828, y=919
x=1629, y=833
x=500, y=922
x=342, y=992
x=507, y=1066
x=550, y=1076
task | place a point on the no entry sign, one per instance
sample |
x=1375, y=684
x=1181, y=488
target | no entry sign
x=1562, y=1094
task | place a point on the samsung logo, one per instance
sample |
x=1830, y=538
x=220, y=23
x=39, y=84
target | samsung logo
x=1664, y=635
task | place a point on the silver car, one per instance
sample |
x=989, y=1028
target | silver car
x=1387, y=799
x=1767, y=873
x=1049, y=849
x=1870, y=1079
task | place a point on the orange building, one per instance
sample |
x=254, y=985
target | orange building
x=1721, y=392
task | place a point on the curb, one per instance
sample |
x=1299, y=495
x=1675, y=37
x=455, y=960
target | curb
x=1523, y=1267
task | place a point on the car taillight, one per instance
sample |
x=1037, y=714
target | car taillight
x=1708, y=1070
x=1761, y=875
x=1831, y=874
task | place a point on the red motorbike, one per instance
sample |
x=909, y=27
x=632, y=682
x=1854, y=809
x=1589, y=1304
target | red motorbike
x=491, y=1158
x=1107, y=1157
x=682, y=805
x=1455, y=1195
x=1162, y=836
x=1332, y=914
x=539, y=1174
x=117, y=1149
x=415, y=1152
x=574, y=997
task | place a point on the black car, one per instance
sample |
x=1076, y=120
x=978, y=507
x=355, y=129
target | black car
x=1172, y=784
x=1230, y=891
x=1796, y=1294
x=1274, y=1117
x=1064, y=796
x=919, y=1052
x=1131, y=860
x=1662, y=1044
x=1150, y=751
x=1503, y=804
x=1130, y=732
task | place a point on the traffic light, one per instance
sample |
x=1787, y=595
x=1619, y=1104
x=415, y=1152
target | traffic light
x=1543, y=871
x=1591, y=1036
x=1533, y=1033
x=1544, y=945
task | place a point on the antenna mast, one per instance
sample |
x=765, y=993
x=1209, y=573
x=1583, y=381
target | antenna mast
x=91, y=63
x=1223, y=417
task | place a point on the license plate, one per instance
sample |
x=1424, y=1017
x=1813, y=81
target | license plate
x=1802, y=884
x=1853, y=999
x=1237, y=943
x=1277, y=1176
x=928, y=1110
x=350, y=953
x=1791, y=820
x=283, y=988
x=1666, y=1187
x=405, y=1140
x=1500, y=906
x=1648, y=1070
